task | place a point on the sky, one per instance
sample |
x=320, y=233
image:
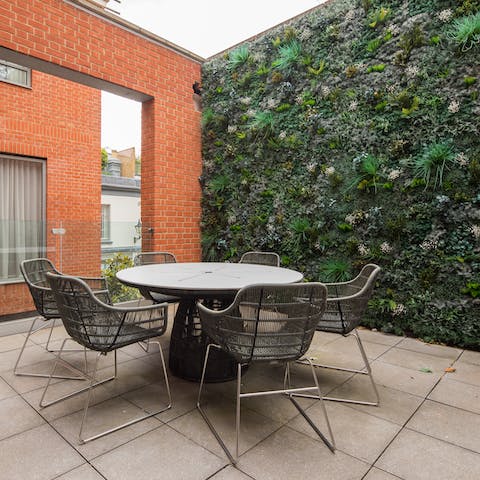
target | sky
x=203, y=27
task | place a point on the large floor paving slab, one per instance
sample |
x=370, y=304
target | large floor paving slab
x=425, y=428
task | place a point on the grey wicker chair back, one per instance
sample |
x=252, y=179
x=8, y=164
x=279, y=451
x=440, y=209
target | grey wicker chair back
x=267, y=322
x=347, y=301
x=34, y=272
x=98, y=325
x=103, y=328
x=346, y=304
x=261, y=258
x=149, y=258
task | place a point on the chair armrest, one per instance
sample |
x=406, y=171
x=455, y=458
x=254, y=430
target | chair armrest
x=117, y=308
x=148, y=321
x=210, y=321
x=202, y=308
x=142, y=308
x=366, y=276
x=99, y=287
x=95, y=283
x=137, y=323
x=341, y=290
x=40, y=288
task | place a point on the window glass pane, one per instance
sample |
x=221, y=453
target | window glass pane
x=21, y=213
x=12, y=73
x=105, y=222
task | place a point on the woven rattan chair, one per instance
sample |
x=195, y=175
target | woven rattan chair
x=266, y=323
x=103, y=328
x=34, y=272
x=346, y=304
x=150, y=258
x=261, y=258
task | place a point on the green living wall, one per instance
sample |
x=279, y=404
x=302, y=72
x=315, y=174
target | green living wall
x=351, y=135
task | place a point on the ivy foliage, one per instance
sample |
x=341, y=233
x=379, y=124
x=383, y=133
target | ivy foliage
x=350, y=135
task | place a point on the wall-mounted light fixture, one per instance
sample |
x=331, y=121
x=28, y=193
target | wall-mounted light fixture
x=197, y=96
x=138, y=231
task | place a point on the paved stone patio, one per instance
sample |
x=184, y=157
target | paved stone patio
x=427, y=426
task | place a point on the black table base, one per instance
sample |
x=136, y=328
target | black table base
x=188, y=345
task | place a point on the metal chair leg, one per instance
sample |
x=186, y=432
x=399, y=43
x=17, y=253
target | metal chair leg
x=51, y=350
x=329, y=444
x=146, y=343
x=32, y=331
x=89, y=390
x=85, y=376
x=207, y=420
x=89, y=396
x=289, y=391
x=50, y=335
x=165, y=376
x=237, y=416
x=138, y=419
x=366, y=371
x=92, y=385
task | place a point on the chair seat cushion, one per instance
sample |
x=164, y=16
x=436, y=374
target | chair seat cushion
x=161, y=298
x=109, y=338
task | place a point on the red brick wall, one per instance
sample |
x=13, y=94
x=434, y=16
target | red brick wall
x=59, y=33
x=58, y=121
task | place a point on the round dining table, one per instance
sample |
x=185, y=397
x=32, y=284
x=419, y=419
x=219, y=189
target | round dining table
x=216, y=285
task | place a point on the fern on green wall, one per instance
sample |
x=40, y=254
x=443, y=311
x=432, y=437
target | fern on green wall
x=350, y=135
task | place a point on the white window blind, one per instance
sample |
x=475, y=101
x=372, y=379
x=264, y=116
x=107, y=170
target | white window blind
x=22, y=207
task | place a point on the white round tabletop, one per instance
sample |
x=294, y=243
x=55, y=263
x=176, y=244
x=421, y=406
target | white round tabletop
x=204, y=278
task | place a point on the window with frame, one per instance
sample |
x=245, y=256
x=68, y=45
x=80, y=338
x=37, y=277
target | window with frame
x=105, y=236
x=22, y=213
x=16, y=74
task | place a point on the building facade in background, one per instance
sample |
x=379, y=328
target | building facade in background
x=50, y=134
x=49, y=177
x=121, y=212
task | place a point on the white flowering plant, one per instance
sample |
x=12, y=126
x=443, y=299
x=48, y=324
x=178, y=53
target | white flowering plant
x=308, y=155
